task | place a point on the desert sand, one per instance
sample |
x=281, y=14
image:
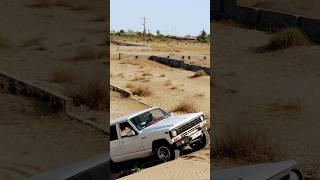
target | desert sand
x=188, y=167
x=172, y=48
x=56, y=45
x=34, y=139
x=276, y=92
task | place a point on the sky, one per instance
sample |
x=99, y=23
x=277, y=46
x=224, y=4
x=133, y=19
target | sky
x=171, y=17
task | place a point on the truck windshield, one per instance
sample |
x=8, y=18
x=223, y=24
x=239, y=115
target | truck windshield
x=148, y=118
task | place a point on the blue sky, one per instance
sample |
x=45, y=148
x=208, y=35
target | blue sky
x=174, y=17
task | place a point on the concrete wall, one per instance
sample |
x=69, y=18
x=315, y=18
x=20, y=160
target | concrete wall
x=124, y=92
x=311, y=27
x=223, y=9
x=11, y=84
x=247, y=16
x=271, y=20
x=263, y=19
x=179, y=64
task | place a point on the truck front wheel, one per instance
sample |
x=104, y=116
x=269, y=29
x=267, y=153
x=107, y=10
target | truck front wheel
x=202, y=142
x=165, y=152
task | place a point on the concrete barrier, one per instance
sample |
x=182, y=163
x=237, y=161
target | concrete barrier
x=174, y=63
x=195, y=68
x=124, y=92
x=185, y=66
x=311, y=27
x=120, y=43
x=132, y=56
x=14, y=85
x=247, y=16
x=271, y=20
x=179, y=64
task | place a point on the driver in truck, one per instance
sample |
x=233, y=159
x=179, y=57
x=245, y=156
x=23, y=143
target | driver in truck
x=125, y=129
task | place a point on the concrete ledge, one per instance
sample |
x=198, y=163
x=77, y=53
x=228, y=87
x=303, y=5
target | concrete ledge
x=132, y=56
x=271, y=20
x=74, y=116
x=14, y=85
x=124, y=92
x=247, y=16
x=311, y=27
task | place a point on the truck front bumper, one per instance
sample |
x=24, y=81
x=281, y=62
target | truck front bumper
x=190, y=138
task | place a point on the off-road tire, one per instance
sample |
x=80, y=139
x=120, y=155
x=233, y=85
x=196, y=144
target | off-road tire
x=167, y=152
x=203, y=142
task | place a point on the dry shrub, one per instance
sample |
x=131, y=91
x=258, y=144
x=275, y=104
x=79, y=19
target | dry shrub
x=185, y=107
x=61, y=74
x=310, y=170
x=162, y=75
x=91, y=93
x=5, y=43
x=99, y=18
x=48, y=3
x=173, y=87
x=291, y=106
x=36, y=41
x=121, y=75
x=246, y=144
x=199, y=74
x=146, y=74
x=142, y=91
x=168, y=83
x=129, y=85
x=199, y=95
x=285, y=38
x=141, y=78
x=83, y=6
x=87, y=53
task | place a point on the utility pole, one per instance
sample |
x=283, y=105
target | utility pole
x=144, y=26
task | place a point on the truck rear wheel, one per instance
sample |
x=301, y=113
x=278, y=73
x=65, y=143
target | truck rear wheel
x=165, y=152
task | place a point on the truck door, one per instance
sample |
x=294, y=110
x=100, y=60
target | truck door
x=130, y=141
x=114, y=143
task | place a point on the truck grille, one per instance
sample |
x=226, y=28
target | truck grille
x=188, y=125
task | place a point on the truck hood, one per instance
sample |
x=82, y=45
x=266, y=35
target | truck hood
x=172, y=122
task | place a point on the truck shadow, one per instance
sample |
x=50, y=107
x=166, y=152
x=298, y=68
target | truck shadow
x=129, y=167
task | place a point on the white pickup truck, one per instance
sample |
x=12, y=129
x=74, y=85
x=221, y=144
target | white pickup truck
x=156, y=132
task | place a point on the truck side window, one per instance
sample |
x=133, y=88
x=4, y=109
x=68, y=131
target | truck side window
x=126, y=130
x=113, y=133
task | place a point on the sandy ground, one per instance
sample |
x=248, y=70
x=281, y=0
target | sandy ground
x=274, y=91
x=118, y=109
x=169, y=87
x=34, y=140
x=170, y=48
x=194, y=165
x=164, y=94
x=46, y=39
x=298, y=7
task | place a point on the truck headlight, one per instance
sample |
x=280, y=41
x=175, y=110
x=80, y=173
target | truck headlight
x=174, y=133
x=201, y=117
